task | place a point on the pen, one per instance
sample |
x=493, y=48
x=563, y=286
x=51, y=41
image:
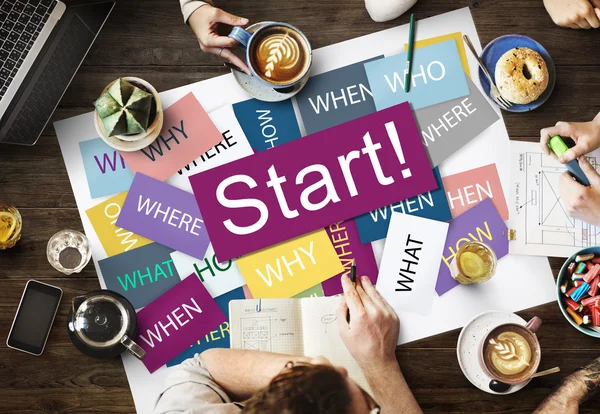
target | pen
x=411, y=41
x=353, y=280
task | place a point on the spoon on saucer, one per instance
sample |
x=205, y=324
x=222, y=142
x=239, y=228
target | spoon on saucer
x=502, y=387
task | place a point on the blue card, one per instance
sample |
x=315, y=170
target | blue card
x=105, y=168
x=432, y=205
x=217, y=338
x=267, y=124
x=437, y=76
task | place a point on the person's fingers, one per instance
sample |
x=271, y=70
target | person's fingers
x=227, y=54
x=593, y=20
x=352, y=299
x=583, y=23
x=581, y=148
x=371, y=292
x=222, y=16
x=342, y=315
x=562, y=129
x=595, y=3
x=597, y=11
x=589, y=171
x=366, y=300
x=219, y=41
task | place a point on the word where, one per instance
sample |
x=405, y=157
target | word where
x=403, y=273
x=176, y=319
x=446, y=122
x=288, y=263
x=152, y=277
x=228, y=142
x=339, y=239
x=435, y=71
x=175, y=134
x=348, y=96
x=471, y=196
x=171, y=216
x=480, y=235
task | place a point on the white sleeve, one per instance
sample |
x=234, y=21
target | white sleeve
x=190, y=6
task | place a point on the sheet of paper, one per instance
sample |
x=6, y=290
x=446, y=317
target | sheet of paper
x=335, y=97
x=142, y=274
x=537, y=211
x=432, y=205
x=187, y=132
x=276, y=195
x=288, y=268
x=105, y=168
x=175, y=320
x=217, y=278
x=436, y=76
x=410, y=262
x=234, y=146
x=114, y=239
x=460, y=46
x=165, y=214
x=468, y=188
x=480, y=223
x=346, y=242
x=267, y=124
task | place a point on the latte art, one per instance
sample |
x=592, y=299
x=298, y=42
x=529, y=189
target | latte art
x=509, y=353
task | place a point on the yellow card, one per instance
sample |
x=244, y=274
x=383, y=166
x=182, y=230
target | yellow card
x=291, y=267
x=114, y=239
x=439, y=39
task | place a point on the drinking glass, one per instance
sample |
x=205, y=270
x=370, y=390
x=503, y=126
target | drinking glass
x=69, y=251
x=10, y=226
x=475, y=262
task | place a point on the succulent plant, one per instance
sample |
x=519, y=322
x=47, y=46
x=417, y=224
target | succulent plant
x=124, y=108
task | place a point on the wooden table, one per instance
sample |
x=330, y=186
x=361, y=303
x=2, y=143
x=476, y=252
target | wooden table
x=148, y=39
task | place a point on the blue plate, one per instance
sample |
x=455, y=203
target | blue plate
x=497, y=47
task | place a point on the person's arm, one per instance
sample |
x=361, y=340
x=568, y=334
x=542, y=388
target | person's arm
x=576, y=14
x=585, y=134
x=573, y=391
x=242, y=373
x=371, y=338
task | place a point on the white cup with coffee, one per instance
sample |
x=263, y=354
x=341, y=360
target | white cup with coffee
x=278, y=54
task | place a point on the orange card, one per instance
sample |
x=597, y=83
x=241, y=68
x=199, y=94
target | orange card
x=187, y=133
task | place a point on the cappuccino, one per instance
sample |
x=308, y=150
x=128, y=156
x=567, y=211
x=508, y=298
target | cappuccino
x=511, y=353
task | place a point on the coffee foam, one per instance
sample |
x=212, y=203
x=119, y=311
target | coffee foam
x=510, y=353
x=280, y=55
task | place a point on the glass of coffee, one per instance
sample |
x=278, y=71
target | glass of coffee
x=278, y=54
x=511, y=352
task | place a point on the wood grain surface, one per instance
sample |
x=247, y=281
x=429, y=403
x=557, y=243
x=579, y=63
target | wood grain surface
x=149, y=39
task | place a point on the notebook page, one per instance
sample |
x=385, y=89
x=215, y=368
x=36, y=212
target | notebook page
x=276, y=328
x=321, y=336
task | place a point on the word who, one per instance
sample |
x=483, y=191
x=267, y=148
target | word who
x=158, y=149
x=288, y=263
x=436, y=71
x=403, y=273
x=106, y=160
x=120, y=232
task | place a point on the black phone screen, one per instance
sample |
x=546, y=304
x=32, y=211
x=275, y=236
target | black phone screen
x=34, y=317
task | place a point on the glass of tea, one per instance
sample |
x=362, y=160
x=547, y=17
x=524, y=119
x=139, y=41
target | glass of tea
x=10, y=226
x=69, y=251
x=475, y=262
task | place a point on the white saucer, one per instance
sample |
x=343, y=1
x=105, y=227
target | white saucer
x=467, y=348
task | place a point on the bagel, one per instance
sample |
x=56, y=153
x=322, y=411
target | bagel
x=521, y=75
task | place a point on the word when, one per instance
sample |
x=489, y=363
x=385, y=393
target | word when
x=174, y=219
x=469, y=196
x=402, y=273
x=131, y=281
x=405, y=206
x=159, y=149
x=220, y=267
x=268, y=130
x=227, y=143
x=120, y=232
x=326, y=182
x=418, y=72
x=288, y=265
x=179, y=318
x=487, y=234
x=445, y=122
x=112, y=165
x=346, y=95
x=340, y=246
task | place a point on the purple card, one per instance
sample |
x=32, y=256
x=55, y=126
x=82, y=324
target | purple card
x=165, y=214
x=309, y=183
x=346, y=242
x=480, y=223
x=174, y=321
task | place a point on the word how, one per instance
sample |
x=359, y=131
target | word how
x=177, y=321
x=158, y=149
x=297, y=260
x=480, y=234
x=228, y=142
x=446, y=121
x=152, y=277
x=404, y=206
x=112, y=165
x=219, y=267
x=268, y=130
x=339, y=235
x=402, y=273
x=176, y=218
x=120, y=232
x=347, y=96
x=436, y=71
x=471, y=197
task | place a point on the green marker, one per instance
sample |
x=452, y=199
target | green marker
x=558, y=146
x=411, y=44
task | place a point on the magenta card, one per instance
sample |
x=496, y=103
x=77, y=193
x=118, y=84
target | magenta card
x=309, y=183
x=346, y=242
x=174, y=321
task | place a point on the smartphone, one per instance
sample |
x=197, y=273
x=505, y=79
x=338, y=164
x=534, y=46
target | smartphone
x=35, y=316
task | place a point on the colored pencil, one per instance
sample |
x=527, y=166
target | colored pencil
x=411, y=44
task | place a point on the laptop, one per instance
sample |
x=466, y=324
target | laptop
x=42, y=44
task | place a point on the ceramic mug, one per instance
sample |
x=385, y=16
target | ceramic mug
x=529, y=329
x=301, y=47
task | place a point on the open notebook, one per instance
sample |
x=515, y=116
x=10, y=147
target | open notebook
x=305, y=326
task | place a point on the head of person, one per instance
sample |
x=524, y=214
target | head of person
x=311, y=388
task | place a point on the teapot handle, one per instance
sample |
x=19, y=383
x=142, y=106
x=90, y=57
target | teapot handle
x=76, y=302
x=132, y=347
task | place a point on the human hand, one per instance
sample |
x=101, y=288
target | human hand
x=585, y=134
x=576, y=14
x=372, y=333
x=582, y=202
x=204, y=21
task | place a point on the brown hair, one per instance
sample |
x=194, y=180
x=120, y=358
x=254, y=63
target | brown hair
x=303, y=389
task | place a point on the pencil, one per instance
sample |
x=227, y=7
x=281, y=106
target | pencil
x=409, y=55
x=353, y=280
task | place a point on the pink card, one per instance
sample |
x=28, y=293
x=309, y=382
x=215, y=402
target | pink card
x=467, y=189
x=174, y=321
x=187, y=133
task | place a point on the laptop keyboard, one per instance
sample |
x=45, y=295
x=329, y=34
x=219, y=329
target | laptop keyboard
x=20, y=24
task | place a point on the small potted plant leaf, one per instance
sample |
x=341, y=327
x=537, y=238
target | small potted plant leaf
x=128, y=114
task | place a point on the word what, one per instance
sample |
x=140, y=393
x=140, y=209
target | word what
x=435, y=71
x=470, y=194
x=227, y=142
x=171, y=216
x=176, y=319
x=287, y=263
x=403, y=273
x=480, y=235
x=350, y=95
x=447, y=121
x=131, y=282
x=161, y=145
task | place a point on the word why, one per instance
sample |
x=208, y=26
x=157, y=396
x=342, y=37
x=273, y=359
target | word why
x=120, y=232
x=156, y=334
x=469, y=195
x=404, y=279
x=158, y=149
x=219, y=267
x=176, y=218
x=270, y=271
x=228, y=142
x=338, y=236
x=405, y=206
x=112, y=165
x=445, y=122
x=347, y=94
x=132, y=281
x=436, y=71
x=480, y=234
